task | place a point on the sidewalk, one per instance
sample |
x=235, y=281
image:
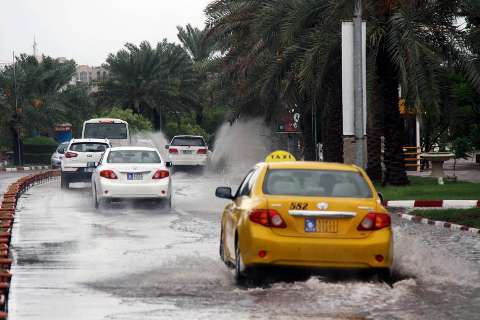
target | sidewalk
x=465, y=170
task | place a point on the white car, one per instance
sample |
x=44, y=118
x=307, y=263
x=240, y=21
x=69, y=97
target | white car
x=80, y=159
x=132, y=173
x=188, y=150
x=57, y=156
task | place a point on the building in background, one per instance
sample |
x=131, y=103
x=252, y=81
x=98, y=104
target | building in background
x=90, y=75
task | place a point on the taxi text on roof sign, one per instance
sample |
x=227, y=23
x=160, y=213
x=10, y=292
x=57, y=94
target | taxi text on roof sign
x=279, y=156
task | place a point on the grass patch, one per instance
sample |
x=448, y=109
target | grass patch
x=467, y=217
x=428, y=189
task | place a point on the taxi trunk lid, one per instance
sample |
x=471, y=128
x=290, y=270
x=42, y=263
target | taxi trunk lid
x=321, y=217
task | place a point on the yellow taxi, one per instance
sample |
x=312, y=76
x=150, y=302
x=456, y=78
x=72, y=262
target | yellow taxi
x=305, y=214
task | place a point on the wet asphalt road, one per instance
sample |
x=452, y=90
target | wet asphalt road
x=126, y=262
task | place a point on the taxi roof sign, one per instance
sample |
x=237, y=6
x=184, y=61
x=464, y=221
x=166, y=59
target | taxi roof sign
x=280, y=156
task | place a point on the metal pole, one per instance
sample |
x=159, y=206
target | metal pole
x=17, y=119
x=358, y=85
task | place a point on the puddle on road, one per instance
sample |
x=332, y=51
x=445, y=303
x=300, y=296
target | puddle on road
x=203, y=284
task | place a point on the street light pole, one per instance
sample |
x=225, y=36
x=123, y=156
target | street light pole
x=358, y=86
x=19, y=156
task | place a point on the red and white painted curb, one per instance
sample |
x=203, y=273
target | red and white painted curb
x=445, y=204
x=441, y=224
x=436, y=204
x=30, y=168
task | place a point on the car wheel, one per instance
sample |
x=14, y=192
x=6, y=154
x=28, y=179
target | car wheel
x=96, y=203
x=240, y=274
x=64, y=182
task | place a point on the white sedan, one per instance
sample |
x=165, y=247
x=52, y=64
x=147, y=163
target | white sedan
x=132, y=173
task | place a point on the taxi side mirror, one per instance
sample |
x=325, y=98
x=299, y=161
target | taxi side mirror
x=224, y=192
x=167, y=146
x=168, y=164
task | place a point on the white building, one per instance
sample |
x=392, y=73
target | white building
x=90, y=75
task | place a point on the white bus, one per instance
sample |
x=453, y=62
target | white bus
x=115, y=130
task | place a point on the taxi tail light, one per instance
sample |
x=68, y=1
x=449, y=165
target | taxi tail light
x=375, y=221
x=202, y=151
x=267, y=217
x=160, y=174
x=173, y=150
x=70, y=154
x=108, y=174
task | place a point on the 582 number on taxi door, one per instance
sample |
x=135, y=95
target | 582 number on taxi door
x=298, y=206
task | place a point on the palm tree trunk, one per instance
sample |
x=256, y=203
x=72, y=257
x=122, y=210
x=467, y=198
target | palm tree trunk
x=17, y=146
x=375, y=132
x=394, y=129
x=308, y=136
x=136, y=105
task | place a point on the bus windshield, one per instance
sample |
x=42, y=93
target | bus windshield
x=105, y=130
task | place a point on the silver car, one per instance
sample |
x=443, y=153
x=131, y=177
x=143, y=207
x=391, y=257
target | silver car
x=57, y=156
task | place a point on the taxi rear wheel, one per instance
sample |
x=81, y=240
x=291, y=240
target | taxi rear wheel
x=247, y=275
x=240, y=274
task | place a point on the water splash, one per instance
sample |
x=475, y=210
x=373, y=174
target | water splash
x=239, y=146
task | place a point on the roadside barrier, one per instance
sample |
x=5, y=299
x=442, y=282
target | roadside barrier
x=7, y=216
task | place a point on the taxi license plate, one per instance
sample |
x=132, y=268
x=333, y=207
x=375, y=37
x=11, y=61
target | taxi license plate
x=321, y=225
x=187, y=151
x=134, y=176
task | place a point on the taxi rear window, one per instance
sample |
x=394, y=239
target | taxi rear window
x=316, y=183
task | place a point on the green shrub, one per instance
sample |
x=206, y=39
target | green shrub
x=40, y=140
x=136, y=122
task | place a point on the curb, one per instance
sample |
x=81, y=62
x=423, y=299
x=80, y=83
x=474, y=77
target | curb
x=7, y=216
x=445, y=204
x=441, y=224
x=30, y=168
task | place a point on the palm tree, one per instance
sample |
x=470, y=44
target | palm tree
x=201, y=49
x=36, y=93
x=295, y=43
x=152, y=80
x=195, y=41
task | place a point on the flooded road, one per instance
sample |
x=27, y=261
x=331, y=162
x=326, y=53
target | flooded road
x=125, y=262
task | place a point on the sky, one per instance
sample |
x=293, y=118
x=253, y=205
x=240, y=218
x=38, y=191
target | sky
x=88, y=30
